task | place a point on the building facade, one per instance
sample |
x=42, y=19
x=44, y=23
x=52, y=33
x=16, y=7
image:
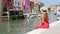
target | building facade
x=54, y=7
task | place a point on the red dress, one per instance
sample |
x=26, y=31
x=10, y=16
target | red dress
x=45, y=24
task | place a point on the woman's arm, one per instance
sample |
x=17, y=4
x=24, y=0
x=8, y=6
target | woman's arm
x=42, y=18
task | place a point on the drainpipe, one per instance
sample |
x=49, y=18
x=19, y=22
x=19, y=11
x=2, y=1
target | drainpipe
x=1, y=9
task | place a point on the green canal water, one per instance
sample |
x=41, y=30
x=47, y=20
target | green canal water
x=22, y=26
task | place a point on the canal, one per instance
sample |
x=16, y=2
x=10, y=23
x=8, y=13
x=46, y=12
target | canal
x=22, y=26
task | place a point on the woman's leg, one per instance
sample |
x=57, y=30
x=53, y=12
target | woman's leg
x=44, y=25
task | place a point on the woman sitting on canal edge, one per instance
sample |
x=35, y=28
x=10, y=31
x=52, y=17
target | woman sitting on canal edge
x=44, y=17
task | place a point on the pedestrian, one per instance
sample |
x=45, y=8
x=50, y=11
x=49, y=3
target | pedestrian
x=44, y=18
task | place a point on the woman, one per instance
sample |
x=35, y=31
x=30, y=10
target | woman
x=45, y=23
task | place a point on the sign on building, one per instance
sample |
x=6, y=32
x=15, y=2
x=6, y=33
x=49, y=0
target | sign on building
x=15, y=3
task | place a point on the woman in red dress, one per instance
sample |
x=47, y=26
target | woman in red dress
x=44, y=17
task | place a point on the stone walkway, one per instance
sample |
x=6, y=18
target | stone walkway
x=54, y=29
